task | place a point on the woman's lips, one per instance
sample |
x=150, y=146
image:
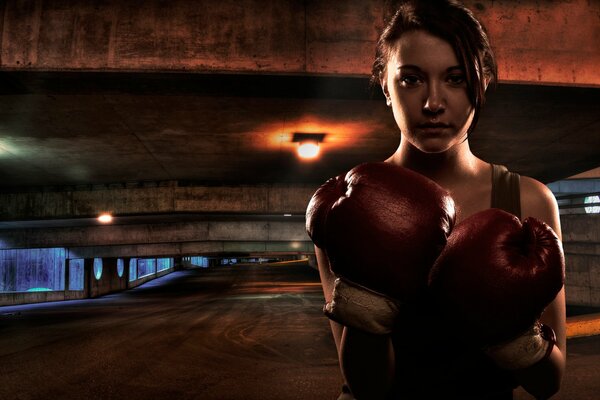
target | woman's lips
x=433, y=125
x=436, y=128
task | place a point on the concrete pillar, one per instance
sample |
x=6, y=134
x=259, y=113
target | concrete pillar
x=88, y=275
x=67, y=274
x=126, y=271
x=110, y=281
x=177, y=263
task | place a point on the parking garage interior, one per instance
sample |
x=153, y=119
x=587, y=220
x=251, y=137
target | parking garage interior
x=152, y=201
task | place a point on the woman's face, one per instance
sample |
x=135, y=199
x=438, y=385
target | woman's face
x=427, y=89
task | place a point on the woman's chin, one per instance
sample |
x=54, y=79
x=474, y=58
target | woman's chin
x=434, y=147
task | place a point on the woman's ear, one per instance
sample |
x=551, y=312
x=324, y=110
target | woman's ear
x=384, y=88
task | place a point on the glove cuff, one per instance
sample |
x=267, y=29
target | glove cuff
x=360, y=307
x=528, y=349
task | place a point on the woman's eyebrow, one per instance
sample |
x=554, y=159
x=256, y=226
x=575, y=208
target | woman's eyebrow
x=417, y=68
x=409, y=66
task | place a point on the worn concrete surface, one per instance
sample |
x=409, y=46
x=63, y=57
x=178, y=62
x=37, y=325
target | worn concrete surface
x=541, y=42
x=231, y=333
x=253, y=333
x=581, y=239
x=285, y=229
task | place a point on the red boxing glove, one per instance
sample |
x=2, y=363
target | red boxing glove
x=494, y=279
x=382, y=227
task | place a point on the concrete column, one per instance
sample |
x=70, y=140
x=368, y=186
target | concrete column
x=67, y=274
x=110, y=280
x=177, y=263
x=126, y=271
x=88, y=275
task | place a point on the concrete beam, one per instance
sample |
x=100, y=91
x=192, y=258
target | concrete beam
x=167, y=233
x=123, y=201
x=536, y=42
x=252, y=248
x=545, y=42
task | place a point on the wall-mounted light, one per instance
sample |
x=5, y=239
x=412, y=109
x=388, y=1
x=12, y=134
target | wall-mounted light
x=105, y=218
x=308, y=144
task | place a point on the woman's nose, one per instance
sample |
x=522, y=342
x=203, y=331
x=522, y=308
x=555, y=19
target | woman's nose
x=435, y=102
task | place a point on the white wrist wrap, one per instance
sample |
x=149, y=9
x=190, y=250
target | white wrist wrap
x=362, y=308
x=522, y=352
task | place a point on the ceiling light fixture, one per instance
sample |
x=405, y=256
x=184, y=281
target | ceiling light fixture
x=308, y=144
x=105, y=218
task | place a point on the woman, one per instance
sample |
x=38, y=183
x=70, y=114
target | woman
x=434, y=64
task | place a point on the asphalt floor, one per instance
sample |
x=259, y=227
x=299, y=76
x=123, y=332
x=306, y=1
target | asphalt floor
x=246, y=332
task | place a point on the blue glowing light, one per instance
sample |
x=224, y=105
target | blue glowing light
x=199, y=261
x=25, y=269
x=592, y=209
x=164, y=263
x=76, y=274
x=146, y=266
x=132, y=269
x=98, y=268
x=120, y=267
x=39, y=289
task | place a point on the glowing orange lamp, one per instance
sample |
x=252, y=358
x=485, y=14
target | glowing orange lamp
x=308, y=144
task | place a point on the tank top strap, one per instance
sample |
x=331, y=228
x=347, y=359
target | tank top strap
x=506, y=193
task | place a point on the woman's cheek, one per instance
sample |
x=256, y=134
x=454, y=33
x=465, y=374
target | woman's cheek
x=403, y=117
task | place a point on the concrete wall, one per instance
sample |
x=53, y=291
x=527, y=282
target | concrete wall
x=581, y=240
x=195, y=248
x=175, y=232
x=160, y=221
x=7, y=299
x=109, y=280
x=544, y=42
x=267, y=236
x=148, y=278
x=136, y=201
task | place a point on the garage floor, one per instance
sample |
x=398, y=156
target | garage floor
x=246, y=332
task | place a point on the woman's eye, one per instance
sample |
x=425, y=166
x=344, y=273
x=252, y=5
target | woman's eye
x=456, y=79
x=410, y=80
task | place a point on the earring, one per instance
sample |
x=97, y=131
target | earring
x=388, y=101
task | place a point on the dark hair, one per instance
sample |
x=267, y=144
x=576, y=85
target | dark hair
x=453, y=22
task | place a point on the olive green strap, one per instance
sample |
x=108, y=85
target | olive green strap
x=506, y=194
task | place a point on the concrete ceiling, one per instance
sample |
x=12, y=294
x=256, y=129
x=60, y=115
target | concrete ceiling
x=85, y=128
x=184, y=110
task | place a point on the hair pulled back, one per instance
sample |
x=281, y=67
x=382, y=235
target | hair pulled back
x=454, y=23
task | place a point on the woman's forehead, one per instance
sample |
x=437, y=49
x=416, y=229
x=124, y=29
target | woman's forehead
x=423, y=50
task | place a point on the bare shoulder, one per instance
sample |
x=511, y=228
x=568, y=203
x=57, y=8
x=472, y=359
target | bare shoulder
x=538, y=201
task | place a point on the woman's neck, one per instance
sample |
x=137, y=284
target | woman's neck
x=447, y=169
